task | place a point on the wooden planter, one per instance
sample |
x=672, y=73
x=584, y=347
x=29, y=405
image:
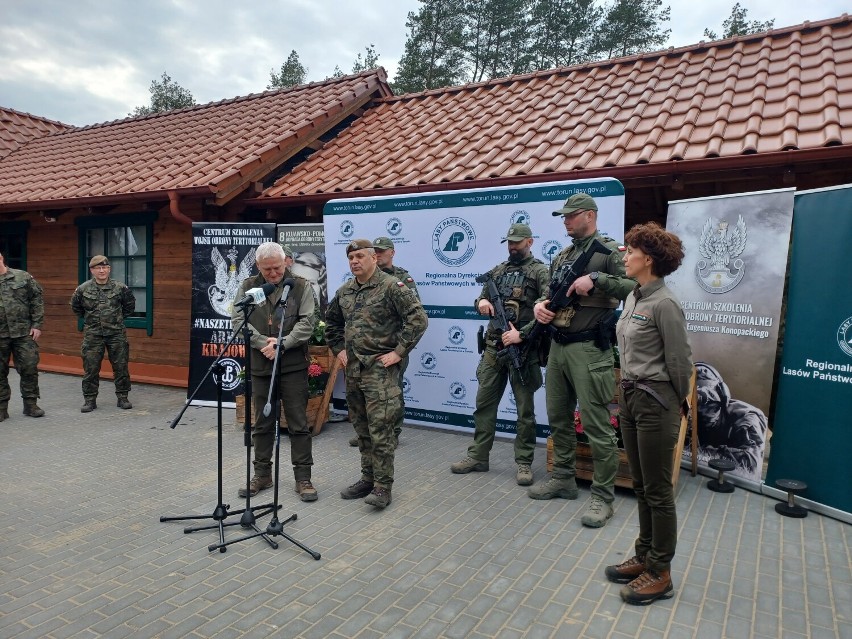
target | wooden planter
x=585, y=465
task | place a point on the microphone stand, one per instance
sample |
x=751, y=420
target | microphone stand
x=221, y=513
x=275, y=528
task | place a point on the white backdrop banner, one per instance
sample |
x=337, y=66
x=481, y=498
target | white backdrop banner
x=445, y=240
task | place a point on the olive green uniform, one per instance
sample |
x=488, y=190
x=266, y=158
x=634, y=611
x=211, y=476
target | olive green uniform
x=520, y=285
x=655, y=353
x=369, y=320
x=103, y=309
x=579, y=370
x=265, y=320
x=21, y=309
x=405, y=277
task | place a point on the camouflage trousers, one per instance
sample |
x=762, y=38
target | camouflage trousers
x=25, y=352
x=397, y=428
x=375, y=407
x=118, y=351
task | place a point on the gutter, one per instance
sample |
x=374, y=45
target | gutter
x=174, y=209
x=104, y=200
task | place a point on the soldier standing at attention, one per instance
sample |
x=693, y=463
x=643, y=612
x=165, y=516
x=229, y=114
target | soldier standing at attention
x=103, y=304
x=21, y=318
x=372, y=323
x=580, y=364
x=520, y=281
x=385, y=252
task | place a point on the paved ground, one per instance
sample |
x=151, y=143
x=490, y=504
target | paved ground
x=83, y=552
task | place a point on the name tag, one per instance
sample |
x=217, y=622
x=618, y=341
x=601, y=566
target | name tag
x=640, y=317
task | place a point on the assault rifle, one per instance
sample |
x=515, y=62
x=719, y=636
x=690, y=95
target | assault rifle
x=502, y=322
x=558, y=289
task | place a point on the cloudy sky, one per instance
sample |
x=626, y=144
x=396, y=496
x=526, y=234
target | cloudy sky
x=87, y=61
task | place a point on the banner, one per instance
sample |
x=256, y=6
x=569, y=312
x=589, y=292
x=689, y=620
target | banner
x=811, y=438
x=445, y=240
x=730, y=287
x=307, y=241
x=222, y=257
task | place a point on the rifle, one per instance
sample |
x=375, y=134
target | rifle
x=502, y=321
x=558, y=289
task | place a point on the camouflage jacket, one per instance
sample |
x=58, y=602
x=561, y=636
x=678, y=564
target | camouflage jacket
x=403, y=276
x=372, y=319
x=298, y=318
x=103, y=308
x=21, y=304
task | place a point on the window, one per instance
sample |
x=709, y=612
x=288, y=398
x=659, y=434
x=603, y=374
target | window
x=13, y=244
x=127, y=241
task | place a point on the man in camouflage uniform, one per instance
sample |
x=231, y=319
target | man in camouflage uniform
x=520, y=281
x=580, y=363
x=264, y=323
x=385, y=252
x=103, y=304
x=21, y=318
x=372, y=323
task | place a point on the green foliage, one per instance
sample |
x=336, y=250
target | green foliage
x=370, y=60
x=633, y=26
x=292, y=73
x=737, y=25
x=563, y=32
x=165, y=96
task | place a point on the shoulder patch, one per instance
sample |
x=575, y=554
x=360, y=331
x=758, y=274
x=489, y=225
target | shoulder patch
x=409, y=279
x=622, y=248
x=400, y=285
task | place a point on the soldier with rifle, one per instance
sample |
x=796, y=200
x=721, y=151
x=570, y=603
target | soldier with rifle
x=508, y=294
x=579, y=309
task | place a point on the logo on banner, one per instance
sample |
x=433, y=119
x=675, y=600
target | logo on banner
x=720, y=246
x=428, y=361
x=844, y=336
x=394, y=226
x=456, y=335
x=454, y=241
x=406, y=386
x=520, y=217
x=512, y=398
x=228, y=278
x=230, y=373
x=457, y=391
x=550, y=250
x=347, y=228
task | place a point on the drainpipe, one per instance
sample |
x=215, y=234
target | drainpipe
x=174, y=208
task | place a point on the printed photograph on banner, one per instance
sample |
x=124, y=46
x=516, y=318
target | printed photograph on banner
x=307, y=242
x=730, y=287
x=223, y=255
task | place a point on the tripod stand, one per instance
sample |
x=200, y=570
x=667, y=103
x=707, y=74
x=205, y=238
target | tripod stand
x=275, y=528
x=221, y=513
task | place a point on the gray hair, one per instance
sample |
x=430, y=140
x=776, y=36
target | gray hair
x=267, y=250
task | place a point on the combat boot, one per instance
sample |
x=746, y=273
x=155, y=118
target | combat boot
x=4, y=412
x=556, y=486
x=524, y=476
x=123, y=402
x=379, y=497
x=89, y=404
x=597, y=513
x=626, y=571
x=306, y=491
x=359, y=489
x=31, y=409
x=648, y=587
x=468, y=465
x=257, y=484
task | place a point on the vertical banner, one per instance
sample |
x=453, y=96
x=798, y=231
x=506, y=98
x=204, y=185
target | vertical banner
x=445, y=240
x=222, y=257
x=307, y=241
x=730, y=286
x=811, y=438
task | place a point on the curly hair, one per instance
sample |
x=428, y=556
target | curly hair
x=664, y=248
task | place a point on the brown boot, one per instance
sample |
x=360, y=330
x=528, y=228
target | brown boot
x=31, y=409
x=648, y=587
x=257, y=484
x=4, y=412
x=306, y=490
x=379, y=497
x=626, y=571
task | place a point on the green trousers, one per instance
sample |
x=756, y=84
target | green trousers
x=403, y=364
x=92, y=350
x=25, y=352
x=493, y=374
x=583, y=373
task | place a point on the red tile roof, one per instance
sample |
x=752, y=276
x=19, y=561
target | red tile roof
x=785, y=89
x=217, y=148
x=16, y=129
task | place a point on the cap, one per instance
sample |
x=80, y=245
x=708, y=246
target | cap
x=97, y=260
x=288, y=252
x=577, y=202
x=383, y=243
x=517, y=232
x=356, y=245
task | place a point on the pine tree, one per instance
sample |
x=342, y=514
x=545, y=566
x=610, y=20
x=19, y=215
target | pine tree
x=633, y=26
x=165, y=96
x=737, y=25
x=292, y=73
x=370, y=60
x=564, y=32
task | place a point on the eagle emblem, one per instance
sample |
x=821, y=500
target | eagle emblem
x=228, y=278
x=720, y=246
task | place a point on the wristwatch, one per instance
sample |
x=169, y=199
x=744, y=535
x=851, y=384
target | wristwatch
x=594, y=277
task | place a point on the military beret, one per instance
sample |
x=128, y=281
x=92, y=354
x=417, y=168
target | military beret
x=97, y=260
x=356, y=245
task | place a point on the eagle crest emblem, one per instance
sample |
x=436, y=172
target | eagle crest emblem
x=228, y=278
x=720, y=246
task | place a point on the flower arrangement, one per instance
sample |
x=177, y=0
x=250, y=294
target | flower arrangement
x=318, y=336
x=317, y=378
x=613, y=420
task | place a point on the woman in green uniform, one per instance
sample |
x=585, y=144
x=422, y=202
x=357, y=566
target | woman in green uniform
x=656, y=366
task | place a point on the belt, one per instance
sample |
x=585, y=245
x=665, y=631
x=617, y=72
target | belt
x=642, y=384
x=561, y=336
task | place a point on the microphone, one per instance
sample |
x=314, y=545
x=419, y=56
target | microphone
x=286, y=285
x=255, y=295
